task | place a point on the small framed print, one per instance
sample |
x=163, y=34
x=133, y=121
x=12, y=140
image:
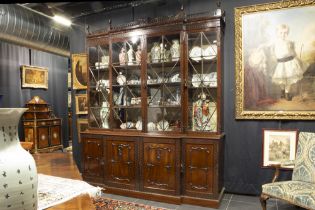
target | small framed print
x=82, y=125
x=69, y=80
x=69, y=99
x=279, y=146
x=34, y=77
x=81, y=104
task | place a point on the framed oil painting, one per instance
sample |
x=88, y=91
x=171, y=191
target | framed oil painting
x=81, y=104
x=79, y=71
x=82, y=125
x=279, y=146
x=34, y=77
x=275, y=61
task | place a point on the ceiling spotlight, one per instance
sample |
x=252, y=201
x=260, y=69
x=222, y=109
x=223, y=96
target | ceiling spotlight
x=62, y=20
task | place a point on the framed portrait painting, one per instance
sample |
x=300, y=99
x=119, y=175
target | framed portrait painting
x=79, y=71
x=275, y=61
x=82, y=125
x=279, y=146
x=81, y=104
x=34, y=77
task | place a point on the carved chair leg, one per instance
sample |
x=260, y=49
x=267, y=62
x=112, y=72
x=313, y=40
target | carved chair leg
x=263, y=201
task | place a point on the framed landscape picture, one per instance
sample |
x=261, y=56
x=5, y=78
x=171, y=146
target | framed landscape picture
x=79, y=71
x=275, y=61
x=69, y=80
x=34, y=77
x=82, y=125
x=81, y=104
x=279, y=146
x=69, y=99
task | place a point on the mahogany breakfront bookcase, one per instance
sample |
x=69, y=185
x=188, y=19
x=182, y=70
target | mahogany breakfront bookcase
x=155, y=110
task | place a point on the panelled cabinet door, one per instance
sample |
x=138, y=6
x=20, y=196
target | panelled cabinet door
x=199, y=169
x=29, y=134
x=93, y=158
x=55, y=135
x=42, y=137
x=159, y=167
x=121, y=163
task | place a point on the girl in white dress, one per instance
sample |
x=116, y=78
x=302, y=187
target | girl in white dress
x=289, y=68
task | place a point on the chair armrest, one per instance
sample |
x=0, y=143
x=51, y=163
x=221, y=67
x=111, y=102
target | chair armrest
x=277, y=171
x=278, y=166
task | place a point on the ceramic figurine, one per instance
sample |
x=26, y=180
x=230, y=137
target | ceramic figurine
x=130, y=55
x=204, y=115
x=139, y=125
x=123, y=57
x=167, y=56
x=104, y=114
x=149, y=60
x=155, y=53
x=163, y=57
x=105, y=60
x=175, y=50
x=121, y=79
x=138, y=54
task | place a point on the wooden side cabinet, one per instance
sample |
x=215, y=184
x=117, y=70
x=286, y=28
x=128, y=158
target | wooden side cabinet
x=44, y=133
x=41, y=126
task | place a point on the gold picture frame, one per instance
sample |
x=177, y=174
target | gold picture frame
x=34, y=77
x=81, y=104
x=279, y=146
x=79, y=71
x=274, y=63
x=82, y=125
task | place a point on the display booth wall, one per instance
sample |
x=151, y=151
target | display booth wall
x=243, y=142
x=11, y=59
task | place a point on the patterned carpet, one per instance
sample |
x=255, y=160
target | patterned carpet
x=102, y=203
x=50, y=193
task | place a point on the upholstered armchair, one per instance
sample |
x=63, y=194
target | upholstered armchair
x=300, y=190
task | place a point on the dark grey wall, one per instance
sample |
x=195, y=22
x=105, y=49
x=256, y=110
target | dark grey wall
x=11, y=58
x=243, y=143
x=77, y=45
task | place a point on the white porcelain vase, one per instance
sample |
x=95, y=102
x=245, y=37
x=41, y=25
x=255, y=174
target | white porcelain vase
x=18, y=174
x=104, y=113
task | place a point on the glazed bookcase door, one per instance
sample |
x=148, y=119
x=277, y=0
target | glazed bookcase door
x=202, y=82
x=164, y=83
x=99, y=86
x=126, y=84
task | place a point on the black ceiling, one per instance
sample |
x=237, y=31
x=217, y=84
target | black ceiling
x=74, y=10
